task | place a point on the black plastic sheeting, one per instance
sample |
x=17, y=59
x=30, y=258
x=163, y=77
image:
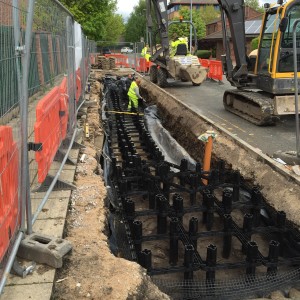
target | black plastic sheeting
x=171, y=150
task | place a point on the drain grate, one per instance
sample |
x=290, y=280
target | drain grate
x=214, y=241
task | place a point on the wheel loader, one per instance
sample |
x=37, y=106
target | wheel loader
x=182, y=66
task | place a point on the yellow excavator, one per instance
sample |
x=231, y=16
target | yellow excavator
x=266, y=91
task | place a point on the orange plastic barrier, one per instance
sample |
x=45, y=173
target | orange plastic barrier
x=78, y=85
x=9, y=182
x=121, y=59
x=215, y=70
x=141, y=65
x=47, y=131
x=64, y=107
x=204, y=62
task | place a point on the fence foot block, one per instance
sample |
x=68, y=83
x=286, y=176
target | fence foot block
x=59, y=156
x=59, y=185
x=44, y=249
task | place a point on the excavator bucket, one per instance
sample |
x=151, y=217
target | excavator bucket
x=195, y=73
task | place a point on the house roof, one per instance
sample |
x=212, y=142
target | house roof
x=194, y=2
x=252, y=29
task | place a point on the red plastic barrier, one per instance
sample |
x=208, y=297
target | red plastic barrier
x=78, y=85
x=215, y=70
x=141, y=65
x=47, y=130
x=204, y=62
x=64, y=107
x=121, y=59
x=9, y=182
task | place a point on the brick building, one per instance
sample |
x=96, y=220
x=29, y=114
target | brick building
x=214, y=35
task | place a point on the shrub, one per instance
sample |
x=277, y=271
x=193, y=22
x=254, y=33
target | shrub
x=254, y=43
x=205, y=54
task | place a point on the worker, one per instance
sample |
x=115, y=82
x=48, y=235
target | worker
x=145, y=53
x=134, y=96
x=175, y=42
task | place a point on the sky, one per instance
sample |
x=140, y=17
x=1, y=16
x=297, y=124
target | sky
x=125, y=7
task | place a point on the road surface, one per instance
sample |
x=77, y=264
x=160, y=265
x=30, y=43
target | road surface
x=207, y=100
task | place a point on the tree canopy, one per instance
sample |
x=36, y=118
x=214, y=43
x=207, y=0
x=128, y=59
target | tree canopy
x=254, y=4
x=135, y=27
x=97, y=18
x=183, y=29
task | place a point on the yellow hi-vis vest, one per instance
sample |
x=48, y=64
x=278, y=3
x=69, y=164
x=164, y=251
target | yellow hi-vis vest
x=133, y=98
x=144, y=51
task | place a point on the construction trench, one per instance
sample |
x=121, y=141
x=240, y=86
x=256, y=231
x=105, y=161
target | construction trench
x=230, y=233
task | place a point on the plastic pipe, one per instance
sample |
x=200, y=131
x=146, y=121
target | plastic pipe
x=207, y=157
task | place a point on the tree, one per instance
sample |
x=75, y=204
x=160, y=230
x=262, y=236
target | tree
x=135, y=27
x=183, y=29
x=208, y=14
x=254, y=43
x=96, y=18
x=254, y=4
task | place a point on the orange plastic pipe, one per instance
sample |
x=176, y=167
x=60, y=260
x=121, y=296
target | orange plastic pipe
x=207, y=157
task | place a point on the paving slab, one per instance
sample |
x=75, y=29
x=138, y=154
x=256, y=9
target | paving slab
x=39, y=291
x=53, y=227
x=55, y=208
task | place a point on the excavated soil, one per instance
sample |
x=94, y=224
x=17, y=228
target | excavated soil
x=91, y=270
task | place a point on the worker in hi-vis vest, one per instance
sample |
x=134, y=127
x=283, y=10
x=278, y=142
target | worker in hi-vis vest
x=134, y=95
x=145, y=54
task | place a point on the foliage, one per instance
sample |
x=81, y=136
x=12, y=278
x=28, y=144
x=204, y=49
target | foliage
x=184, y=29
x=135, y=27
x=254, y=43
x=205, y=54
x=96, y=18
x=208, y=14
x=255, y=5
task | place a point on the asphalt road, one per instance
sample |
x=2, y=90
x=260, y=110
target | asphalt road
x=207, y=100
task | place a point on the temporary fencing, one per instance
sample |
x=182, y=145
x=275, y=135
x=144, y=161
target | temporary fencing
x=9, y=182
x=40, y=93
x=215, y=70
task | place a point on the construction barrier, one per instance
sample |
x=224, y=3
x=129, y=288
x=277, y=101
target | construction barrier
x=9, y=191
x=121, y=59
x=47, y=131
x=215, y=70
x=64, y=107
x=142, y=65
x=204, y=62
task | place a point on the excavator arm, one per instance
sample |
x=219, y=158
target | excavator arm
x=233, y=11
x=161, y=12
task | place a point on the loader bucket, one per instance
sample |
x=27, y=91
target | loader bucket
x=196, y=74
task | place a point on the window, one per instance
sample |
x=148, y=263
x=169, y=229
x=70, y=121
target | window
x=286, y=55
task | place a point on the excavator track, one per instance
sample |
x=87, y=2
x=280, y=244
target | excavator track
x=255, y=107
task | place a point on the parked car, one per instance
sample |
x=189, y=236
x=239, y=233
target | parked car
x=106, y=51
x=126, y=50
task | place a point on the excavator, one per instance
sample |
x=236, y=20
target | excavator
x=182, y=65
x=264, y=92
